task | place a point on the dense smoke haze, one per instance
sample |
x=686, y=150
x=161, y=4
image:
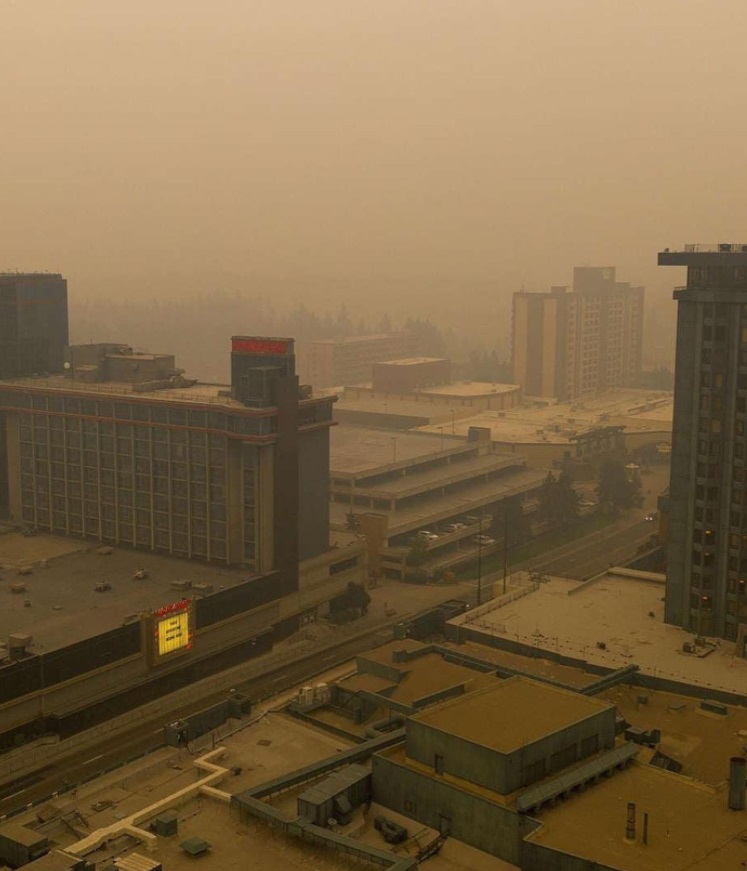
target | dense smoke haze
x=425, y=159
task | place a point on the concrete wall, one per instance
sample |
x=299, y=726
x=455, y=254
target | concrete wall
x=507, y=772
x=313, y=492
x=96, y=686
x=535, y=857
x=434, y=802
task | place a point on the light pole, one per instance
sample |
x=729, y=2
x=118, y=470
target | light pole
x=505, y=546
x=453, y=420
x=441, y=430
x=479, y=563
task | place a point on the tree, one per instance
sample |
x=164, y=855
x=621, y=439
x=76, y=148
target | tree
x=355, y=600
x=558, y=500
x=516, y=525
x=418, y=552
x=617, y=490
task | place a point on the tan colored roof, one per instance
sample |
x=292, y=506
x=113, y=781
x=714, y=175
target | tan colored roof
x=690, y=825
x=512, y=713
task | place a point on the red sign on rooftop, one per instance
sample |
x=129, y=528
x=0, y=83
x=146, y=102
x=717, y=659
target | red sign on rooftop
x=251, y=345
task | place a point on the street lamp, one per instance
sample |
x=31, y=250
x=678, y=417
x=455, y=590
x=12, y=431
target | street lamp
x=505, y=546
x=479, y=563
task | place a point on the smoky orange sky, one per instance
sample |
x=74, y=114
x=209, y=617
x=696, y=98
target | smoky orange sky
x=427, y=157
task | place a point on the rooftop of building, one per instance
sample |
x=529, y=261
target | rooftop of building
x=470, y=388
x=624, y=612
x=713, y=253
x=360, y=450
x=266, y=746
x=639, y=411
x=210, y=395
x=351, y=340
x=690, y=826
x=15, y=276
x=460, y=389
x=412, y=361
x=409, y=409
x=63, y=604
x=700, y=741
x=511, y=713
x=420, y=678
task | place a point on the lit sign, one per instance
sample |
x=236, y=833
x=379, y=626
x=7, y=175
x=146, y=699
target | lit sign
x=172, y=630
x=260, y=346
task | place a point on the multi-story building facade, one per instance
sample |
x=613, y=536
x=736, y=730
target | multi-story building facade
x=570, y=343
x=350, y=359
x=121, y=448
x=707, y=553
x=33, y=323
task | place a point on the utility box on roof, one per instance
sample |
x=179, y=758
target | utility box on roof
x=336, y=797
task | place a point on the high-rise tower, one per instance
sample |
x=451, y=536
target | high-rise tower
x=707, y=559
x=575, y=342
x=33, y=323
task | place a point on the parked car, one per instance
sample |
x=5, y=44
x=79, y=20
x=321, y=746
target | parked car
x=484, y=540
x=427, y=535
x=453, y=527
x=652, y=515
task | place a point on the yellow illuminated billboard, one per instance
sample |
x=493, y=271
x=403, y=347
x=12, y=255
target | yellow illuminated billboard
x=171, y=630
x=173, y=633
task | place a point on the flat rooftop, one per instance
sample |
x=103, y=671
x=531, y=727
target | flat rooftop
x=406, y=405
x=639, y=411
x=700, y=741
x=614, y=610
x=470, y=388
x=690, y=825
x=266, y=746
x=511, y=714
x=357, y=340
x=64, y=608
x=215, y=395
x=457, y=389
x=412, y=361
x=360, y=450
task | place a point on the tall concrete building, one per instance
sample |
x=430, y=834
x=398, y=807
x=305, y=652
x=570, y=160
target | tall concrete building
x=574, y=342
x=707, y=555
x=33, y=323
x=122, y=449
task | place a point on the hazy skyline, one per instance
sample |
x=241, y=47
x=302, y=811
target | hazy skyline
x=424, y=157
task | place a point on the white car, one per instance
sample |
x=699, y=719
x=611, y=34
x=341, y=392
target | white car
x=484, y=540
x=427, y=535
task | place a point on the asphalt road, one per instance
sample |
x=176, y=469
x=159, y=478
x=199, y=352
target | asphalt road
x=589, y=556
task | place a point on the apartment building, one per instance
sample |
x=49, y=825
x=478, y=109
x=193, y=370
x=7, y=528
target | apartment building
x=575, y=342
x=707, y=554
